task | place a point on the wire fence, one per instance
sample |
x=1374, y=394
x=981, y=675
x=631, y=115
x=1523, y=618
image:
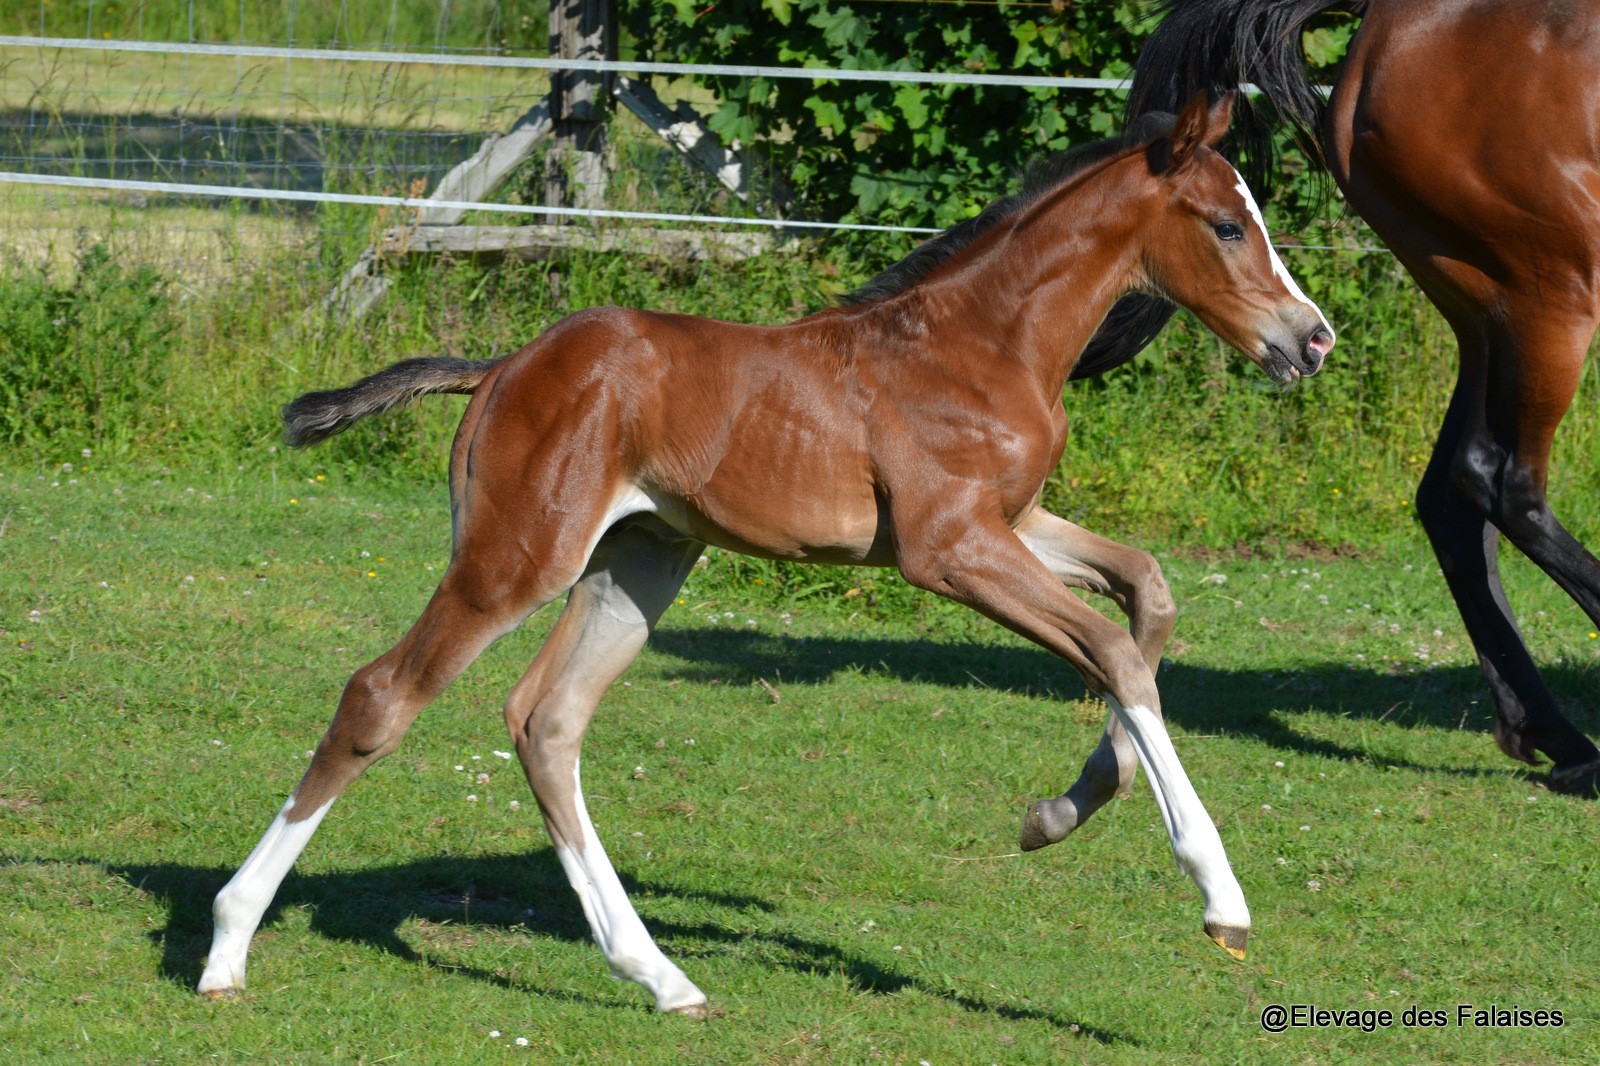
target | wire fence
x=216, y=135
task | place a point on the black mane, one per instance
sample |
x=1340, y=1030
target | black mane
x=1041, y=177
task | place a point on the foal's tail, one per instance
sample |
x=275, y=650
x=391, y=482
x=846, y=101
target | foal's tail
x=316, y=416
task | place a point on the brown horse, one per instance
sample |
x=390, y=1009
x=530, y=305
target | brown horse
x=913, y=427
x=1465, y=132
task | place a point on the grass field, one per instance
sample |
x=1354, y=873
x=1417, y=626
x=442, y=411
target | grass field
x=812, y=783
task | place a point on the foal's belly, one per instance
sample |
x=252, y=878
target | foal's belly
x=784, y=518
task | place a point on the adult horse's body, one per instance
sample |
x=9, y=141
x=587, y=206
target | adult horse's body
x=913, y=428
x=1467, y=133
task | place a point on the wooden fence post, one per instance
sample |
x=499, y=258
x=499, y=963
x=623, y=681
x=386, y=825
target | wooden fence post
x=580, y=102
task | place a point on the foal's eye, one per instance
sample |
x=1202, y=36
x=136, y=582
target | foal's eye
x=1229, y=231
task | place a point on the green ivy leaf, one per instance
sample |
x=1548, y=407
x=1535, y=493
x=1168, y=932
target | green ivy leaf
x=913, y=104
x=1326, y=46
x=780, y=9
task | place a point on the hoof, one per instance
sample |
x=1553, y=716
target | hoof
x=220, y=995
x=1229, y=938
x=1047, y=822
x=697, y=1011
x=1582, y=780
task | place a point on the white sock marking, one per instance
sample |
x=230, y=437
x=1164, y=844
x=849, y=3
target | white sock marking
x=617, y=928
x=1195, y=843
x=245, y=898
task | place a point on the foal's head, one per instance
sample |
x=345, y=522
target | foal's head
x=1206, y=247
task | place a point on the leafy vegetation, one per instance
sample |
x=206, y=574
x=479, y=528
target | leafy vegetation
x=919, y=154
x=85, y=359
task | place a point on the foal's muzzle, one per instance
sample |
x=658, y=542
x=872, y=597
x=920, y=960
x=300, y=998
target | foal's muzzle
x=1297, y=354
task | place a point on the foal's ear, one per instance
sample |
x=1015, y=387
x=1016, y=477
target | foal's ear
x=1201, y=124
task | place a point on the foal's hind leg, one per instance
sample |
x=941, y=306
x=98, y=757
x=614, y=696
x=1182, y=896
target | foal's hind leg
x=633, y=575
x=472, y=606
x=1132, y=578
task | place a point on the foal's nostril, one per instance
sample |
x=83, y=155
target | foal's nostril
x=1321, y=343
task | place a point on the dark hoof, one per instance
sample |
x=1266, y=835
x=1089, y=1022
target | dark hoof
x=1229, y=939
x=1048, y=822
x=1582, y=780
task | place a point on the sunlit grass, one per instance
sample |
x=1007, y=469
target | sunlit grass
x=310, y=91
x=814, y=802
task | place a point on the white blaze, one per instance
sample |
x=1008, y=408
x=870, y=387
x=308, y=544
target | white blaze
x=1277, y=264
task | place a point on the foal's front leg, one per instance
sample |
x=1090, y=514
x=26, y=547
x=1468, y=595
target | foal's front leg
x=985, y=566
x=1132, y=578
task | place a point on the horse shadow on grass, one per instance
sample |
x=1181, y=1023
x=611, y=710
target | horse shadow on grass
x=1254, y=704
x=493, y=892
x=518, y=892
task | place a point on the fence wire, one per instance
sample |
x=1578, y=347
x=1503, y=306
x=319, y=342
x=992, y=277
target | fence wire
x=209, y=160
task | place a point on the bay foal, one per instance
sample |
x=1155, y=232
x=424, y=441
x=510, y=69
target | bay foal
x=913, y=428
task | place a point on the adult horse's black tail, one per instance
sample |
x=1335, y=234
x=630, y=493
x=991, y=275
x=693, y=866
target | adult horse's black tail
x=1218, y=46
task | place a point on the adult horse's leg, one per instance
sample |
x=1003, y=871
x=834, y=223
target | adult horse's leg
x=976, y=560
x=1493, y=216
x=1132, y=578
x=473, y=605
x=1487, y=476
x=631, y=579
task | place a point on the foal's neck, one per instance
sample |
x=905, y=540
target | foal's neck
x=1038, y=286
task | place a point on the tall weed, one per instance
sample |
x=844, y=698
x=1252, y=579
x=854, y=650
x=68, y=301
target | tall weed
x=84, y=359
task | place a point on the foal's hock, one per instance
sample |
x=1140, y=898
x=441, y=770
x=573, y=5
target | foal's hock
x=913, y=427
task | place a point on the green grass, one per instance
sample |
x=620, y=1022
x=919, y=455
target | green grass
x=836, y=868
